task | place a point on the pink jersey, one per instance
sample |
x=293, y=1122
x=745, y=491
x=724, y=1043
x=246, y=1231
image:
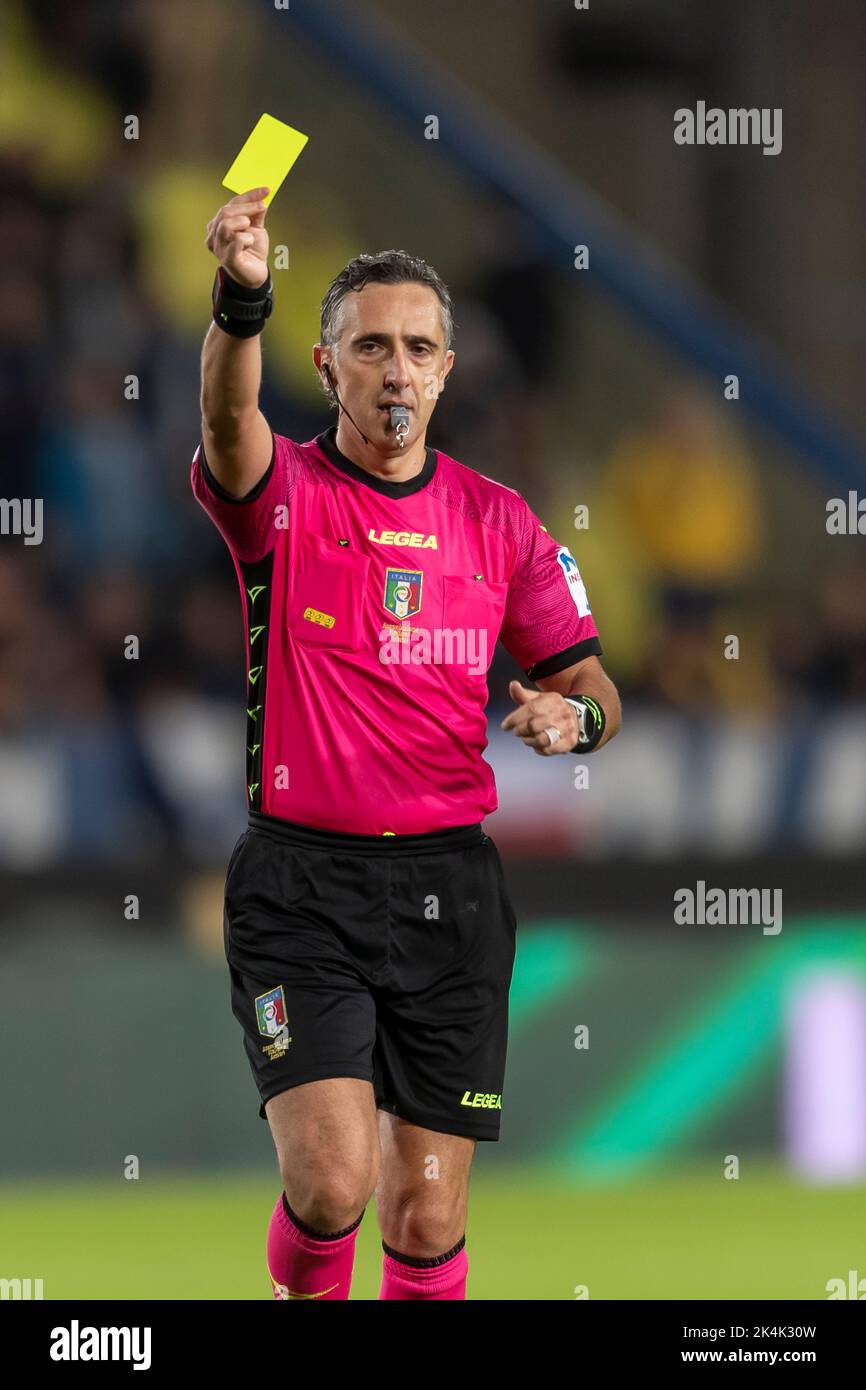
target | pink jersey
x=372, y=609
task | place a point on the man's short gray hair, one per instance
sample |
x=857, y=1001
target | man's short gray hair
x=386, y=268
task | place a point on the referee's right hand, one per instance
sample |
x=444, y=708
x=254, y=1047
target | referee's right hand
x=238, y=239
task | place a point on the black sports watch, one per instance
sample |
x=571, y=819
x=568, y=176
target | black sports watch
x=590, y=722
x=238, y=309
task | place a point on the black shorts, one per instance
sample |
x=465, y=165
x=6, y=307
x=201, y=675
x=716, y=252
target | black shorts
x=387, y=958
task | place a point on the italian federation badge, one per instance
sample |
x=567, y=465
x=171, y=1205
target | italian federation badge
x=271, y=1016
x=402, y=592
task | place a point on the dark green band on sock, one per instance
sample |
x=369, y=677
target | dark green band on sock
x=425, y=1264
x=317, y=1235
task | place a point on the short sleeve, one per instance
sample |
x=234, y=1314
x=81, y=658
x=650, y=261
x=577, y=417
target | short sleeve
x=247, y=524
x=548, y=624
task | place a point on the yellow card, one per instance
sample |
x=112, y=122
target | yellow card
x=266, y=158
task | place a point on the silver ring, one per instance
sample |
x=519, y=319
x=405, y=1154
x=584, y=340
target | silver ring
x=553, y=735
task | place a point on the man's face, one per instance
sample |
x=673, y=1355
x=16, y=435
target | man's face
x=391, y=351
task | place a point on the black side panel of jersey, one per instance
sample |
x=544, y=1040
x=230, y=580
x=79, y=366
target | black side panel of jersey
x=257, y=607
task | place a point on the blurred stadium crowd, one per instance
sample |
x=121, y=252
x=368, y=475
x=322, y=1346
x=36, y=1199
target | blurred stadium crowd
x=98, y=752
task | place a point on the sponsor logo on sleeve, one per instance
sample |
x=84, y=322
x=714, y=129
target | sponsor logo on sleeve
x=573, y=580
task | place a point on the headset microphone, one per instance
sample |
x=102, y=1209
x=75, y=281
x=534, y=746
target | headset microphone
x=327, y=371
x=399, y=413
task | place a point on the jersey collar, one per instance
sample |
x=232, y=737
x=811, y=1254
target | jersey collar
x=327, y=443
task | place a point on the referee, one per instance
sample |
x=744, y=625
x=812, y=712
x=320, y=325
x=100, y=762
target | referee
x=368, y=931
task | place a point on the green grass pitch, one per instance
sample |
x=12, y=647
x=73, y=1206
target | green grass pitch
x=685, y=1233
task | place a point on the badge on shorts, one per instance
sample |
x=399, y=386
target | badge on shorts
x=402, y=592
x=271, y=1016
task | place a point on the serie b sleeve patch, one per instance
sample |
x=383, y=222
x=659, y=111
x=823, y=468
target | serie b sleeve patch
x=573, y=580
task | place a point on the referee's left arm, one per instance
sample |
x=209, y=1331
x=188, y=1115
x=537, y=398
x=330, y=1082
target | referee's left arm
x=550, y=709
x=549, y=630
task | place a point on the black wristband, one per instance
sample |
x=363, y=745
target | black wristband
x=238, y=309
x=594, y=723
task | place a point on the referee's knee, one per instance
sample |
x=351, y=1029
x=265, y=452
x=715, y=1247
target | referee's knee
x=328, y=1201
x=420, y=1228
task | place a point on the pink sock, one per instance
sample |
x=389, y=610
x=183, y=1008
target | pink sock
x=303, y=1266
x=445, y=1279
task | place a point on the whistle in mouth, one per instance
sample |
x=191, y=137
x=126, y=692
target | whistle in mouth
x=400, y=422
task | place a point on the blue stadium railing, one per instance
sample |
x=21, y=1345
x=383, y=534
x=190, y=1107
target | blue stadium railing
x=480, y=142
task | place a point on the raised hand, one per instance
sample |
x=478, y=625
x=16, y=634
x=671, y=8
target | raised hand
x=238, y=239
